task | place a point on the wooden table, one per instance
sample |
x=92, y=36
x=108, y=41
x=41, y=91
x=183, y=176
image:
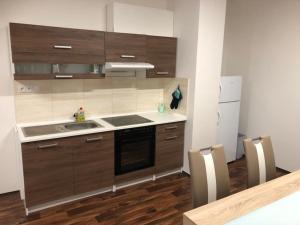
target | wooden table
x=242, y=203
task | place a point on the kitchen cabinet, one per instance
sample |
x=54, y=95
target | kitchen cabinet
x=93, y=162
x=65, y=167
x=121, y=47
x=48, y=170
x=44, y=44
x=35, y=48
x=169, y=146
x=161, y=52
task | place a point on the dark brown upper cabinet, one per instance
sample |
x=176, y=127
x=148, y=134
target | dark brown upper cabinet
x=121, y=47
x=44, y=44
x=161, y=52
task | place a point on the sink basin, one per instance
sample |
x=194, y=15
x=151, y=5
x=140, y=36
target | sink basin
x=82, y=126
x=59, y=128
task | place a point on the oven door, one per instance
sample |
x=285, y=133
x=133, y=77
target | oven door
x=134, y=149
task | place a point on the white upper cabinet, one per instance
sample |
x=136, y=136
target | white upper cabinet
x=126, y=18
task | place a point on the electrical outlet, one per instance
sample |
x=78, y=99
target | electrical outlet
x=28, y=89
x=21, y=89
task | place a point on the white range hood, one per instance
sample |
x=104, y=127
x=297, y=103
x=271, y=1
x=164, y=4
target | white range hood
x=125, y=67
x=117, y=66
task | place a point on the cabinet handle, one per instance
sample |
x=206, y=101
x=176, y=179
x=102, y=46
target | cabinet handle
x=162, y=73
x=47, y=146
x=63, y=76
x=89, y=140
x=62, y=46
x=171, y=128
x=171, y=138
x=128, y=56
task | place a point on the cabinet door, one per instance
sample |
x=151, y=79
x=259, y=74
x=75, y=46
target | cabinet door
x=32, y=43
x=48, y=170
x=169, y=147
x=121, y=47
x=94, y=162
x=161, y=52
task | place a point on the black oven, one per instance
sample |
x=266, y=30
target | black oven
x=134, y=149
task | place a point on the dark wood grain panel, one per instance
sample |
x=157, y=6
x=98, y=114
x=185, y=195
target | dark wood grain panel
x=169, y=154
x=48, y=171
x=33, y=43
x=93, y=162
x=118, y=44
x=169, y=147
x=170, y=127
x=161, y=52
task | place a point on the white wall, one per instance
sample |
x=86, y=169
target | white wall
x=262, y=43
x=66, y=13
x=199, y=26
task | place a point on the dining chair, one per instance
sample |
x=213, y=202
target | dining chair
x=260, y=160
x=209, y=175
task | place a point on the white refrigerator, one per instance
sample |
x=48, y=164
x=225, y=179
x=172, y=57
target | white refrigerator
x=228, y=114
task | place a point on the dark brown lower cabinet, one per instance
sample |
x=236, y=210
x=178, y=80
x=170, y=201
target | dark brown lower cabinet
x=48, y=170
x=169, y=147
x=60, y=168
x=94, y=162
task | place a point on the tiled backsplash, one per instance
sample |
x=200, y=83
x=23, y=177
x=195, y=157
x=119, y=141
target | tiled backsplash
x=59, y=99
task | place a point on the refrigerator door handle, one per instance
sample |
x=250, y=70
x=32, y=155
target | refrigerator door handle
x=220, y=87
x=219, y=117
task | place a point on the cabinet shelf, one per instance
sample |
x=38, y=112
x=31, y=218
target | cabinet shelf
x=54, y=76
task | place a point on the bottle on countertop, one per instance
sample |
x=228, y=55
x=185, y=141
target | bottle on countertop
x=161, y=108
x=79, y=115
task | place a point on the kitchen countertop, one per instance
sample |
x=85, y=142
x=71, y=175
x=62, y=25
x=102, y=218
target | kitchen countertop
x=156, y=117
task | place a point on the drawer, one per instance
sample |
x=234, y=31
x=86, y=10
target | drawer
x=170, y=128
x=31, y=41
x=169, y=136
x=121, y=47
x=169, y=154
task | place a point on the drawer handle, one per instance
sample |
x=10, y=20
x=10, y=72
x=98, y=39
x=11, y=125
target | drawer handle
x=171, y=138
x=62, y=46
x=89, y=140
x=162, y=73
x=128, y=56
x=48, y=146
x=171, y=128
x=63, y=76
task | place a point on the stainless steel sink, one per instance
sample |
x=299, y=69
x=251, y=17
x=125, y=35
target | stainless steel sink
x=82, y=126
x=59, y=128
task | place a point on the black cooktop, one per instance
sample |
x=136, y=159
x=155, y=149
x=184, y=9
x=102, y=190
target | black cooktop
x=119, y=121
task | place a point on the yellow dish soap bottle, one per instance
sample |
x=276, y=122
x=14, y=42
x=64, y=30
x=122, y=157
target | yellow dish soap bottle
x=79, y=115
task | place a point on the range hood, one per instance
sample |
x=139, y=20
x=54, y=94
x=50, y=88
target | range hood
x=126, y=67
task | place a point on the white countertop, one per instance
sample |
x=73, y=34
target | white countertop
x=283, y=211
x=156, y=117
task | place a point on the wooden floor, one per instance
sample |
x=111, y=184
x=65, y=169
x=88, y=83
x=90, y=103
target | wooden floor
x=159, y=202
